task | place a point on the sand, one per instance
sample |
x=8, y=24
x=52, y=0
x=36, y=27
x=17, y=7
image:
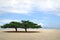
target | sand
x=41, y=34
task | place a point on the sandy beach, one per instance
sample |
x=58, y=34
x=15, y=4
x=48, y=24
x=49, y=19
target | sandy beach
x=41, y=34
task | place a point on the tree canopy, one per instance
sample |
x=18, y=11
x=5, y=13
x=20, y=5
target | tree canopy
x=22, y=24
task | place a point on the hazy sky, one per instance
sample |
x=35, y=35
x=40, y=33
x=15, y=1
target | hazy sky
x=43, y=12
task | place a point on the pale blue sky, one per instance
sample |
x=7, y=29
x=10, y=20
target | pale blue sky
x=43, y=12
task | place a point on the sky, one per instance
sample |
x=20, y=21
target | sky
x=43, y=12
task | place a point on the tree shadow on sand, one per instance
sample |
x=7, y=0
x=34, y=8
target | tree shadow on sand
x=21, y=32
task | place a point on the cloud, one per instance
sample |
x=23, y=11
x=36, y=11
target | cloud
x=7, y=20
x=58, y=14
x=15, y=6
x=41, y=24
x=4, y=21
x=49, y=6
x=26, y=6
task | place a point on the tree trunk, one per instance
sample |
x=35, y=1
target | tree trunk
x=16, y=29
x=25, y=29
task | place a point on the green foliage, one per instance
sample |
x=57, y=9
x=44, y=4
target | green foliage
x=28, y=24
x=23, y=24
x=5, y=26
x=15, y=25
x=12, y=25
